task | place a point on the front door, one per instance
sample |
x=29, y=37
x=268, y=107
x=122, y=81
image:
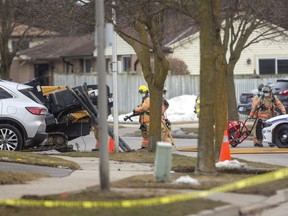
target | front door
x=41, y=72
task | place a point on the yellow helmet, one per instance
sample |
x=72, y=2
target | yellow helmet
x=143, y=89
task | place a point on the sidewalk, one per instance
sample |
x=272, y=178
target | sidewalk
x=78, y=180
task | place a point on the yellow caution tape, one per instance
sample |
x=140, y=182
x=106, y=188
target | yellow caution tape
x=255, y=180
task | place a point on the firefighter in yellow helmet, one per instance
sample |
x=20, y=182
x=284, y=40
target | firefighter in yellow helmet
x=144, y=116
x=144, y=110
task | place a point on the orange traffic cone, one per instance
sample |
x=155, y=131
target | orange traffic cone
x=225, y=148
x=111, y=145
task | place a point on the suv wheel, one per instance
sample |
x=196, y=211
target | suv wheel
x=10, y=138
x=281, y=136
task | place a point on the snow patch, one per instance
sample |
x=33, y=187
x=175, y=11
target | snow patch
x=233, y=164
x=181, y=109
x=186, y=180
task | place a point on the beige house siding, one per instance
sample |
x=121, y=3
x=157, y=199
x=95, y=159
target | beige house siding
x=123, y=48
x=21, y=72
x=188, y=50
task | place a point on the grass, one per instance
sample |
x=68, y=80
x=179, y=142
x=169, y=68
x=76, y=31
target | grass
x=179, y=209
x=140, y=186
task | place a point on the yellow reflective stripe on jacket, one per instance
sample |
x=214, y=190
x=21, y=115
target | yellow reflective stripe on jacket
x=198, y=105
x=144, y=110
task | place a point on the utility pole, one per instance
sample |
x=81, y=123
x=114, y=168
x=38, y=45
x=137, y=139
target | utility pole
x=103, y=125
x=115, y=83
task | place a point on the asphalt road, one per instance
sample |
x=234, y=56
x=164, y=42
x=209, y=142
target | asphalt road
x=51, y=171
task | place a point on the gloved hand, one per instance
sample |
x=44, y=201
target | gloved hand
x=126, y=118
x=168, y=123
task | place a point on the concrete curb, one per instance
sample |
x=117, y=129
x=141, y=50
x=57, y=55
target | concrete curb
x=280, y=197
x=255, y=209
x=226, y=210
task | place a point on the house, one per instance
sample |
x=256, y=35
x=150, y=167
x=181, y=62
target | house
x=69, y=55
x=262, y=58
x=28, y=36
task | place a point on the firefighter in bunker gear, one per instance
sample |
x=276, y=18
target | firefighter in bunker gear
x=165, y=120
x=144, y=116
x=197, y=106
x=259, y=93
x=263, y=108
x=143, y=110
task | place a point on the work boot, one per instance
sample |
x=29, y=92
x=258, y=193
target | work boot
x=272, y=145
x=258, y=145
x=142, y=149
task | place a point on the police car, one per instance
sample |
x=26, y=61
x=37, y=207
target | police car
x=275, y=131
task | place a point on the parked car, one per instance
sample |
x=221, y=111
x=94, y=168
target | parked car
x=279, y=89
x=245, y=105
x=275, y=131
x=22, y=117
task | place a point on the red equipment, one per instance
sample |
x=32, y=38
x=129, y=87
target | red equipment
x=238, y=131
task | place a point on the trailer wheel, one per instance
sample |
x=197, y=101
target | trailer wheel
x=281, y=136
x=234, y=144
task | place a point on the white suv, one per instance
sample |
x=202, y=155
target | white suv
x=22, y=117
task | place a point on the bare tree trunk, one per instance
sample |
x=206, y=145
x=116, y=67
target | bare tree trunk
x=156, y=85
x=155, y=114
x=206, y=152
x=220, y=108
x=6, y=62
x=7, y=19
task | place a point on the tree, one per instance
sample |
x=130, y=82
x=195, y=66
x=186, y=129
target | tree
x=246, y=23
x=206, y=149
x=205, y=14
x=32, y=20
x=6, y=29
x=141, y=24
x=177, y=67
x=242, y=23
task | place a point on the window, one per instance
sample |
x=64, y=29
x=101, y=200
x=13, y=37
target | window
x=4, y=94
x=87, y=65
x=126, y=63
x=68, y=68
x=282, y=66
x=273, y=66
